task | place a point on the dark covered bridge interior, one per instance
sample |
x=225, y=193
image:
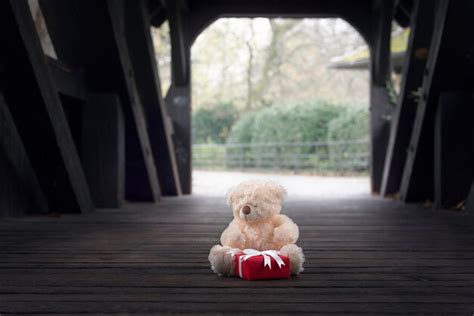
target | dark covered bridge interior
x=97, y=214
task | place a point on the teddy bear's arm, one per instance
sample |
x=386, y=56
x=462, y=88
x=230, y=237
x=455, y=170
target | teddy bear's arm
x=231, y=236
x=286, y=231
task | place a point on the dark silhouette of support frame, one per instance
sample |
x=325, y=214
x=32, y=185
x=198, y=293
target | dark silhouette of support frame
x=421, y=28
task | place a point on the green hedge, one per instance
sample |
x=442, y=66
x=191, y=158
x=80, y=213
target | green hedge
x=304, y=122
x=292, y=123
x=288, y=125
x=351, y=124
x=213, y=124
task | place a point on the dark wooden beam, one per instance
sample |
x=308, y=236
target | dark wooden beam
x=38, y=114
x=380, y=107
x=201, y=13
x=417, y=178
x=20, y=191
x=116, y=9
x=453, y=148
x=103, y=149
x=469, y=207
x=178, y=102
x=180, y=67
x=99, y=48
x=404, y=12
x=147, y=78
x=156, y=13
x=178, y=98
x=68, y=81
x=449, y=67
x=401, y=124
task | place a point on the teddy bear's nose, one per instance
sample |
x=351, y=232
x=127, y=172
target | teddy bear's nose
x=246, y=210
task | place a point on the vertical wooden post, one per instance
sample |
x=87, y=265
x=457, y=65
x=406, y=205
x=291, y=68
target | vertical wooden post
x=103, y=149
x=470, y=201
x=178, y=98
x=380, y=107
x=453, y=148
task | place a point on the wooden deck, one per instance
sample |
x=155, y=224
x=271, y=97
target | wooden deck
x=364, y=255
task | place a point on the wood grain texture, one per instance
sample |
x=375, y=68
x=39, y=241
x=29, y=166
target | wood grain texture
x=364, y=255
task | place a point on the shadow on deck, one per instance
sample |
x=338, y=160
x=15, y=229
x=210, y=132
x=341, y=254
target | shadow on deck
x=364, y=255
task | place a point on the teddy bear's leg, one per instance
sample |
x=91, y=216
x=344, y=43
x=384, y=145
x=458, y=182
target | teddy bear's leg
x=296, y=256
x=221, y=261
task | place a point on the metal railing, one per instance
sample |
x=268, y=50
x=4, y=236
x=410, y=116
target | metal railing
x=334, y=156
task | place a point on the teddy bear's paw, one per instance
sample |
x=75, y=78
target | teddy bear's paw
x=296, y=256
x=285, y=235
x=221, y=261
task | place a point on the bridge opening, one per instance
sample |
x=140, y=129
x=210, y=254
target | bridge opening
x=283, y=99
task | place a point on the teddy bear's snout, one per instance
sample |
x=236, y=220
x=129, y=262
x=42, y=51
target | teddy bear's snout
x=246, y=209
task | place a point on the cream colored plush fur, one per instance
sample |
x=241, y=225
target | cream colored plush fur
x=263, y=228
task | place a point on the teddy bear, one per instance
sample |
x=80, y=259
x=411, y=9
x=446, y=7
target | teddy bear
x=257, y=224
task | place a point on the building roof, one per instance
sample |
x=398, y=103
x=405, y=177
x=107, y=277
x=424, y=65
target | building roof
x=359, y=58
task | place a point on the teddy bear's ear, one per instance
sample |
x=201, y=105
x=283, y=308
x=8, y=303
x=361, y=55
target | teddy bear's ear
x=278, y=191
x=230, y=196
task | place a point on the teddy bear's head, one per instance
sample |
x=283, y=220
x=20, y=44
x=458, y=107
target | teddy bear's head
x=255, y=201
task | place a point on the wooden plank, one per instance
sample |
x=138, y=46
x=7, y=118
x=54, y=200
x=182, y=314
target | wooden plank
x=199, y=14
x=453, y=149
x=360, y=247
x=20, y=192
x=401, y=124
x=38, y=114
x=100, y=50
x=147, y=78
x=380, y=107
x=103, y=149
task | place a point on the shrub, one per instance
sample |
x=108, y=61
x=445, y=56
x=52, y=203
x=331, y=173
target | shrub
x=351, y=124
x=307, y=122
x=241, y=132
x=213, y=124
